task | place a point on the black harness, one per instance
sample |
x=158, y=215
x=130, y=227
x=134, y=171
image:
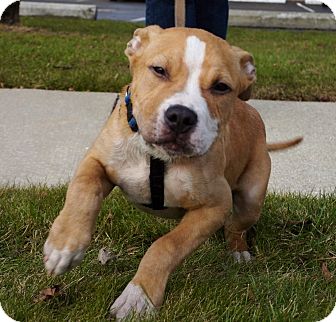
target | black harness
x=156, y=167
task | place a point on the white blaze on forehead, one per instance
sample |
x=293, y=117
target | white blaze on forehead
x=206, y=129
x=191, y=97
x=194, y=57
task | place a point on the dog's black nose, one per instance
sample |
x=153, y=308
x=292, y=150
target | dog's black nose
x=180, y=119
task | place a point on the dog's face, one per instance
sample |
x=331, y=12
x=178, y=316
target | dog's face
x=185, y=82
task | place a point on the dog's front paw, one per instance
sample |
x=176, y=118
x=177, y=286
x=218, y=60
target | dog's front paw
x=58, y=261
x=65, y=246
x=242, y=257
x=132, y=300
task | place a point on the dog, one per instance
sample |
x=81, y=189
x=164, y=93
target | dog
x=181, y=143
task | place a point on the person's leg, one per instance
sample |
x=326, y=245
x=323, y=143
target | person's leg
x=209, y=15
x=191, y=21
x=160, y=13
x=213, y=16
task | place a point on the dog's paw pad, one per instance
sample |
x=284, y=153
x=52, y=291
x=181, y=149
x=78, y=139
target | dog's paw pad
x=59, y=261
x=242, y=257
x=132, y=300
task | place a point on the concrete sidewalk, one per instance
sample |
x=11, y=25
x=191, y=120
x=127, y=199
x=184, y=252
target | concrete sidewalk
x=44, y=134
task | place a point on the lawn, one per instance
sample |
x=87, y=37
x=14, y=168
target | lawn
x=294, y=239
x=70, y=54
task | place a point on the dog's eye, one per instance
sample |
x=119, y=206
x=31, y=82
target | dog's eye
x=159, y=71
x=220, y=88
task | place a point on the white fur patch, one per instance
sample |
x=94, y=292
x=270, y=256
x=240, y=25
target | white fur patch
x=59, y=261
x=191, y=97
x=128, y=157
x=132, y=300
x=133, y=45
x=178, y=181
x=250, y=69
x=241, y=257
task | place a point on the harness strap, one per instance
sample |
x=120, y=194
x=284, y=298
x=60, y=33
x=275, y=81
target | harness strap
x=156, y=182
x=156, y=166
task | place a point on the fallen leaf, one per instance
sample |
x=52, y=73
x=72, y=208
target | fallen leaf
x=104, y=256
x=251, y=295
x=297, y=226
x=48, y=293
x=299, y=222
x=132, y=250
x=325, y=272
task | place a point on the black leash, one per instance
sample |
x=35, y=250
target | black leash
x=156, y=167
x=115, y=104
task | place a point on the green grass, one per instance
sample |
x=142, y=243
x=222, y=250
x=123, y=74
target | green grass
x=65, y=54
x=70, y=54
x=284, y=283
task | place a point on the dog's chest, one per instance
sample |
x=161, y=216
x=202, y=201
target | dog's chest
x=131, y=171
x=132, y=176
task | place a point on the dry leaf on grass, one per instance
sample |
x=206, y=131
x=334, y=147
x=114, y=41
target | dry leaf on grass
x=325, y=272
x=48, y=293
x=104, y=256
x=296, y=226
x=299, y=222
x=250, y=294
x=132, y=250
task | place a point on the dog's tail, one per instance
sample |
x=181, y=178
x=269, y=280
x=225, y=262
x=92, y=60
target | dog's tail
x=284, y=145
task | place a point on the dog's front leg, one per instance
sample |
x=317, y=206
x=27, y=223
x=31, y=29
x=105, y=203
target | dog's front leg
x=145, y=292
x=71, y=232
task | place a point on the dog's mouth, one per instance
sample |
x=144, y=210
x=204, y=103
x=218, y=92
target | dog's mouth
x=176, y=148
x=173, y=145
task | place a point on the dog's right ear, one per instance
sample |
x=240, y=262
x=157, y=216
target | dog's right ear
x=247, y=73
x=140, y=40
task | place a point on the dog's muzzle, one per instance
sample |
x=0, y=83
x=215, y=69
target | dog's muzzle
x=179, y=123
x=180, y=119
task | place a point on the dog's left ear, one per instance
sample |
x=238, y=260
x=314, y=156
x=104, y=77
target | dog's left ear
x=247, y=73
x=140, y=40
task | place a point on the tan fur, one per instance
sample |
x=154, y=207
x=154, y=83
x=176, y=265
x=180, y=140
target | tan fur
x=232, y=174
x=284, y=145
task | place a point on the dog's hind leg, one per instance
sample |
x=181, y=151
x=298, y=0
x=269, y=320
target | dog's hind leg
x=248, y=200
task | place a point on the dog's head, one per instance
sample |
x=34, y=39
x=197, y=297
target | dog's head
x=185, y=83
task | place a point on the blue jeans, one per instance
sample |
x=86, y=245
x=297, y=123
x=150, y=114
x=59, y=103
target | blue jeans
x=211, y=15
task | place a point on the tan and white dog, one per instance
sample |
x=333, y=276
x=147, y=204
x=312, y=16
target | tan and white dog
x=186, y=92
